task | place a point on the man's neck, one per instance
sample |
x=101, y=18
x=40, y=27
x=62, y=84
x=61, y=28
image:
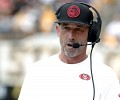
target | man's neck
x=72, y=60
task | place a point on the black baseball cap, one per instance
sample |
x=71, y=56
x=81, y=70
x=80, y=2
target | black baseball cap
x=74, y=12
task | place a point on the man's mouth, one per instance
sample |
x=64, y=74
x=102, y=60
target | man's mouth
x=70, y=45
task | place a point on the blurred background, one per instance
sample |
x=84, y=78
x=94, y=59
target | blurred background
x=27, y=34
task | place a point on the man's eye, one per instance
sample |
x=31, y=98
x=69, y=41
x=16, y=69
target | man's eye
x=66, y=28
x=78, y=29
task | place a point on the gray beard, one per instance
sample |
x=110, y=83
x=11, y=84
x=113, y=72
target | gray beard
x=72, y=54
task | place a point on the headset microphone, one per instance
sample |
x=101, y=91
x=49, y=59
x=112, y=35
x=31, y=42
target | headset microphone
x=77, y=45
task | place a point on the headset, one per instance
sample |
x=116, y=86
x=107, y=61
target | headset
x=95, y=25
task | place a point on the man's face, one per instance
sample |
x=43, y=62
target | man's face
x=70, y=33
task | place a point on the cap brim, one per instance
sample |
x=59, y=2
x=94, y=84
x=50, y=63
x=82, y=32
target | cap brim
x=81, y=23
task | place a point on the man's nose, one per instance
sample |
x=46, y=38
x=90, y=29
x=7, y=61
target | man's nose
x=71, y=35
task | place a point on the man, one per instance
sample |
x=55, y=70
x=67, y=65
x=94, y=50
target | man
x=70, y=75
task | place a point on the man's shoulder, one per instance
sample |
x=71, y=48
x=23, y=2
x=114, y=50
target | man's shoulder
x=101, y=68
x=45, y=61
x=43, y=64
x=103, y=71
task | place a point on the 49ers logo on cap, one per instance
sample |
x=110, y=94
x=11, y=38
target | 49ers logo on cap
x=73, y=11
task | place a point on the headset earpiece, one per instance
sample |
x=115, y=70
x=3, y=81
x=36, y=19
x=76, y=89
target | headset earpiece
x=94, y=32
x=95, y=28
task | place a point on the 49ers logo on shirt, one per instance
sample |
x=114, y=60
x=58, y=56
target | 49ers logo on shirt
x=73, y=11
x=119, y=95
x=84, y=76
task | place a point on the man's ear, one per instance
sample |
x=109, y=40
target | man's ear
x=58, y=29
